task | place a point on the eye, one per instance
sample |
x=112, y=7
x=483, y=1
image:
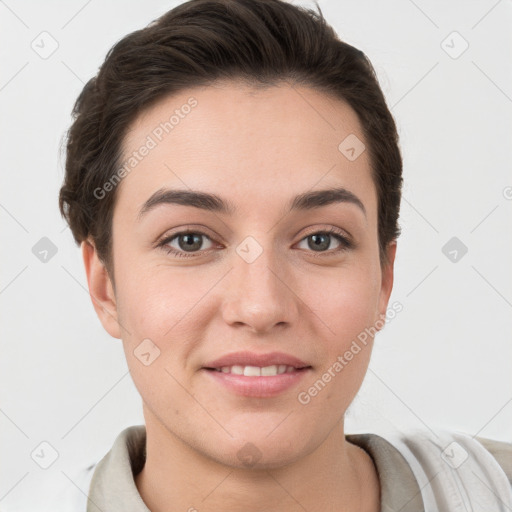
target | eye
x=321, y=240
x=187, y=241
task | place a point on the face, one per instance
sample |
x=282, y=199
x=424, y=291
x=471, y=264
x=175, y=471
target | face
x=260, y=276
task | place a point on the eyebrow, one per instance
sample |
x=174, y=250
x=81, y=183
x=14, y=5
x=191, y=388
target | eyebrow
x=214, y=203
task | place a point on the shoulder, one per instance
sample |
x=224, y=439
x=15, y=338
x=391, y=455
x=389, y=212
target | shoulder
x=501, y=451
x=125, y=456
x=458, y=468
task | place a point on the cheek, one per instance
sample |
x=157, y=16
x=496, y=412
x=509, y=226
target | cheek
x=153, y=302
x=345, y=303
x=163, y=314
x=346, y=309
x=157, y=329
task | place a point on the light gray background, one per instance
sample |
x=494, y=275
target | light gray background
x=443, y=362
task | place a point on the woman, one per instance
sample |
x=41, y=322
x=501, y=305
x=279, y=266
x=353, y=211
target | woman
x=233, y=176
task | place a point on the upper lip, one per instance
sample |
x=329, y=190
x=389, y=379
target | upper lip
x=255, y=359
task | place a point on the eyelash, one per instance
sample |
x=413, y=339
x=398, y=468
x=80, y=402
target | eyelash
x=345, y=243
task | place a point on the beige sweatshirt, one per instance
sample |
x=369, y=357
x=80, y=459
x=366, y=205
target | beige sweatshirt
x=112, y=487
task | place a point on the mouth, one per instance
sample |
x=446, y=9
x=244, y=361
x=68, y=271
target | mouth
x=256, y=382
x=251, y=363
x=258, y=371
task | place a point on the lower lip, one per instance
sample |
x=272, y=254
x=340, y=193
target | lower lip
x=259, y=387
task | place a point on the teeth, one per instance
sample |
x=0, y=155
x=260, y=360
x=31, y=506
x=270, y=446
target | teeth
x=256, y=371
x=252, y=371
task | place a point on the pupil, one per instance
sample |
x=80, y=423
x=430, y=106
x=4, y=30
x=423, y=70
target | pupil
x=318, y=243
x=192, y=241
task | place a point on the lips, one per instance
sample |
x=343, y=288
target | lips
x=255, y=359
x=251, y=386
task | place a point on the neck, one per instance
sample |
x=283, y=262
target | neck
x=336, y=476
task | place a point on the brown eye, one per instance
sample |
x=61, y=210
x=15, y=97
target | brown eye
x=187, y=242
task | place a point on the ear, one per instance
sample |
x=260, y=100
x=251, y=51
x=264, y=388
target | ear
x=387, y=279
x=100, y=289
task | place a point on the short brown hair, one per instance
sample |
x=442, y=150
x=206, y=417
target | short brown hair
x=261, y=42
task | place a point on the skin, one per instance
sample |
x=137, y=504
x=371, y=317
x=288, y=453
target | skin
x=258, y=149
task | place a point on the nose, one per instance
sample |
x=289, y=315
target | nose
x=260, y=294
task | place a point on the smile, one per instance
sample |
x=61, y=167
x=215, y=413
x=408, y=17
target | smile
x=257, y=382
x=257, y=371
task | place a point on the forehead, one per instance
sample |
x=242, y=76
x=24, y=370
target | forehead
x=236, y=110
x=233, y=139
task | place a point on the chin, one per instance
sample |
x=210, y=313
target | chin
x=257, y=457
x=259, y=450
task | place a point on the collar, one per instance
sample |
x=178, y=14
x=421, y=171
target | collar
x=113, y=485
